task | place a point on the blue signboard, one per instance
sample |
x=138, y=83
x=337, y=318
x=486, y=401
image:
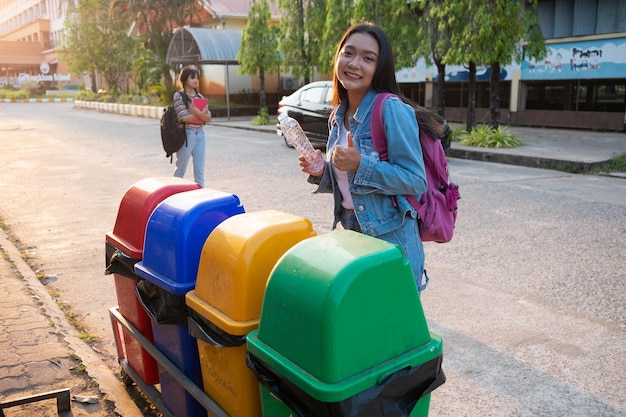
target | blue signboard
x=453, y=72
x=598, y=59
x=579, y=60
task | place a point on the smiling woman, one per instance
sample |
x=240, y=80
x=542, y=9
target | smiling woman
x=362, y=185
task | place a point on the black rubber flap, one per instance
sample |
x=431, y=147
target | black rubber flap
x=161, y=305
x=119, y=263
x=203, y=329
x=396, y=396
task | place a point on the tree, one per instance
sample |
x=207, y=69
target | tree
x=433, y=39
x=311, y=30
x=301, y=28
x=505, y=24
x=397, y=19
x=466, y=46
x=337, y=20
x=258, y=51
x=91, y=28
x=156, y=21
x=146, y=67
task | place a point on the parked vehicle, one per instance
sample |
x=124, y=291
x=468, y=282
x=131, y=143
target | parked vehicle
x=310, y=106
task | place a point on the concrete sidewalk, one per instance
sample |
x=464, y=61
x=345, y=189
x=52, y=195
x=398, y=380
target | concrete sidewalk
x=41, y=352
x=568, y=150
x=39, y=349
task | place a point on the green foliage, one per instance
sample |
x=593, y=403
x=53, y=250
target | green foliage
x=337, y=20
x=146, y=67
x=258, y=51
x=457, y=133
x=158, y=18
x=259, y=41
x=13, y=94
x=301, y=28
x=92, y=27
x=33, y=88
x=263, y=118
x=485, y=136
x=618, y=163
x=86, y=95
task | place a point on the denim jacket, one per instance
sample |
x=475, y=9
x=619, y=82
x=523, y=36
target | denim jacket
x=373, y=184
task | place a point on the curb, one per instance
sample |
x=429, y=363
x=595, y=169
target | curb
x=37, y=100
x=152, y=112
x=573, y=167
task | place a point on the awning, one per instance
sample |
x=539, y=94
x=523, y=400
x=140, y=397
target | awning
x=204, y=46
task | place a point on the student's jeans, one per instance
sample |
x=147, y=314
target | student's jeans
x=400, y=237
x=195, y=149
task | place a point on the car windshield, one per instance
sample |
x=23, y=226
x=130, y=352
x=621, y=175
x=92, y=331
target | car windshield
x=312, y=95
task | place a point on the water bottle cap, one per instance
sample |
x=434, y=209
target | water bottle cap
x=282, y=116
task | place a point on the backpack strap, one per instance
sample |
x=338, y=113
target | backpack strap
x=379, y=139
x=331, y=117
x=378, y=128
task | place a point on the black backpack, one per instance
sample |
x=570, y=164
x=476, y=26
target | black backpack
x=173, y=135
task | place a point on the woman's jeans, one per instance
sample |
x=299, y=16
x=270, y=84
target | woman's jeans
x=405, y=237
x=195, y=148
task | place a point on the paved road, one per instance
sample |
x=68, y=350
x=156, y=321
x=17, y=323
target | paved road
x=529, y=297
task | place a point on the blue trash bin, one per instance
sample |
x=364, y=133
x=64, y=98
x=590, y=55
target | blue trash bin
x=175, y=235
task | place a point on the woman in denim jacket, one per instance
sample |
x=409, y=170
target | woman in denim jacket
x=361, y=183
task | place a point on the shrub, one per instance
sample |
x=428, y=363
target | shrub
x=263, y=118
x=485, y=136
x=33, y=88
x=86, y=95
x=126, y=99
x=456, y=134
x=14, y=94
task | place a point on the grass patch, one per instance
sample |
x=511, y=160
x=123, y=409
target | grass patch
x=617, y=164
x=88, y=337
x=79, y=369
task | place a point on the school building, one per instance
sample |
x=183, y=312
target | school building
x=580, y=84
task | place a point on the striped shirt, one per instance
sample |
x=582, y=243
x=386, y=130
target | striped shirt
x=182, y=110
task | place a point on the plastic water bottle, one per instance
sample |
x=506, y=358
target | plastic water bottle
x=295, y=136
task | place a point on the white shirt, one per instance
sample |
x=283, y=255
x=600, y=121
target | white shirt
x=342, y=176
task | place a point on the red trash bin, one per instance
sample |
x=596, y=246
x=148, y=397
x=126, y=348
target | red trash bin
x=124, y=248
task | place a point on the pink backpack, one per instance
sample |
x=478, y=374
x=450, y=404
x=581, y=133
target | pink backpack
x=437, y=207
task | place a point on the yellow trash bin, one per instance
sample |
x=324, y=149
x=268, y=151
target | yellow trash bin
x=236, y=261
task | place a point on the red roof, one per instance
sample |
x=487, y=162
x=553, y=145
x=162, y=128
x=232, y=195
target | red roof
x=236, y=7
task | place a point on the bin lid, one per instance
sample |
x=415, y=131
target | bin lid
x=175, y=235
x=236, y=262
x=135, y=209
x=341, y=303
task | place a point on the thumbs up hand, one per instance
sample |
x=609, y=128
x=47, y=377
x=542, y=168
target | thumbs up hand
x=347, y=158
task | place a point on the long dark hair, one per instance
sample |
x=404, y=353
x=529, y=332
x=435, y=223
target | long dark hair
x=384, y=80
x=186, y=73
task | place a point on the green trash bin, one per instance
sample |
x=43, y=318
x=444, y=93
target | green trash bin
x=342, y=333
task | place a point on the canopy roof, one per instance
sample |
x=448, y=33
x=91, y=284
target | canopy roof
x=204, y=46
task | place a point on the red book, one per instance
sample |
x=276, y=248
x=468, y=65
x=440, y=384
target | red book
x=200, y=103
